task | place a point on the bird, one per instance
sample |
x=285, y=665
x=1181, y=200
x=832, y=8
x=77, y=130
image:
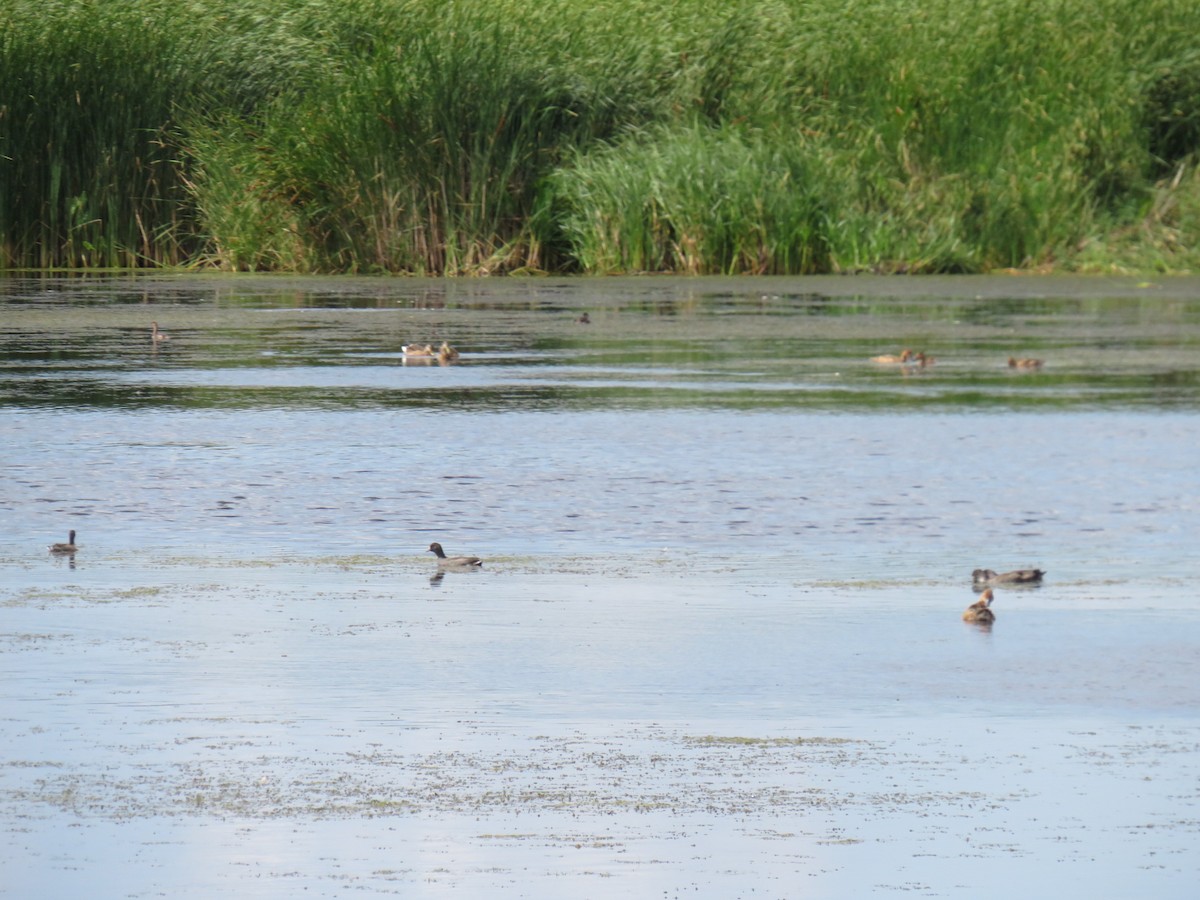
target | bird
x=585, y=319
x=979, y=612
x=923, y=360
x=447, y=353
x=68, y=547
x=1014, y=363
x=453, y=562
x=984, y=577
x=156, y=335
x=415, y=350
x=905, y=356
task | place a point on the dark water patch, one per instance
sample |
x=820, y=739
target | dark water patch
x=655, y=341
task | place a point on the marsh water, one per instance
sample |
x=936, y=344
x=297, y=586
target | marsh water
x=715, y=647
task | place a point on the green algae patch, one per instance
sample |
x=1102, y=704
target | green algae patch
x=711, y=740
x=136, y=593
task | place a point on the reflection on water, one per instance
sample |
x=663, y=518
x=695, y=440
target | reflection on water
x=650, y=343
x=716, y=645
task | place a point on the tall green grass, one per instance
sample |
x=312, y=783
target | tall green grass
x=83, y=176
x=91, y=171
x=462, y=137
x=697, y=200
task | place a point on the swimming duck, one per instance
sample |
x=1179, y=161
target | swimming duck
x=156, y=335
x=453, y=562
x=905, y=356
x=68, y=547
x=1014, y=363
x=1017, y=576
x=585, y=319
x=415, y=350
x=923, y=359
x=979, y=612
x=447, y=353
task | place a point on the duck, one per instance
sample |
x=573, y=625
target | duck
x=1014, y=363
x=923, y=360
x=979, y=612
x=68, y=547
x=415, y=350
x=156, y=335
x=1017, y=576
x=453, y=562
x=447, y=353
x=905, y=356
x=585, y=319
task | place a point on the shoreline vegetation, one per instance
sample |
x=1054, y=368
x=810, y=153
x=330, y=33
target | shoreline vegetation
x=439, y=137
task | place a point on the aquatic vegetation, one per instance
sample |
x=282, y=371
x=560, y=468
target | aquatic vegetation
x=453, y=138
x=717, y=740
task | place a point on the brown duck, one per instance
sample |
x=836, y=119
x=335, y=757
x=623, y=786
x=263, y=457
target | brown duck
x=68, y=547
x=984, y=577
x=890, y=358
x=979, y=612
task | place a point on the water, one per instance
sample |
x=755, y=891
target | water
x=714, y=648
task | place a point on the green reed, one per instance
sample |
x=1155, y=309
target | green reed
x=91, y=173
x=696, y=200
x=463, y=137
x=427, y=149
x=83, y=180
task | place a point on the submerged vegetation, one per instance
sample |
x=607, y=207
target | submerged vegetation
x=778, y=136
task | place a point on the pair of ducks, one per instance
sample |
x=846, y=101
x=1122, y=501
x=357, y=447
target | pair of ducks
x=920, y=359
x=906, y=358
x=980, y=611
x=444, y=354
x=444, y=561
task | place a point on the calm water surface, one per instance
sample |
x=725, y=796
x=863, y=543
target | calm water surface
x=715, y=648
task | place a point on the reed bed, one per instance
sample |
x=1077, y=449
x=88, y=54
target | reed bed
x=780, y=136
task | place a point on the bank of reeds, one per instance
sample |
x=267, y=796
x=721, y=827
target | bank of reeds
x=458, y=137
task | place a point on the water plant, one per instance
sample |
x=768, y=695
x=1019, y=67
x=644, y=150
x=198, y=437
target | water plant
x=455, y=137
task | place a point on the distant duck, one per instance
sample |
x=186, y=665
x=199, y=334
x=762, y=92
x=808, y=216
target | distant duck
x=905, y=356
x=68, y=547
x=978, y=611
x=416, y=350
x=453, y=562
x=984, y=577
x=447, y=353
x=1014, y=363
x=923, y=360
x=585, y=319
x=156, y=335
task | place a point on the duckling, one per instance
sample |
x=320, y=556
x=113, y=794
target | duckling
x=1014, y=363
x=447, y=353
x=984, y=577
x=905, y=356
x=68, y=547
x=156, y=335
x=453, y=562
x=978, y=611
x=416, y=350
